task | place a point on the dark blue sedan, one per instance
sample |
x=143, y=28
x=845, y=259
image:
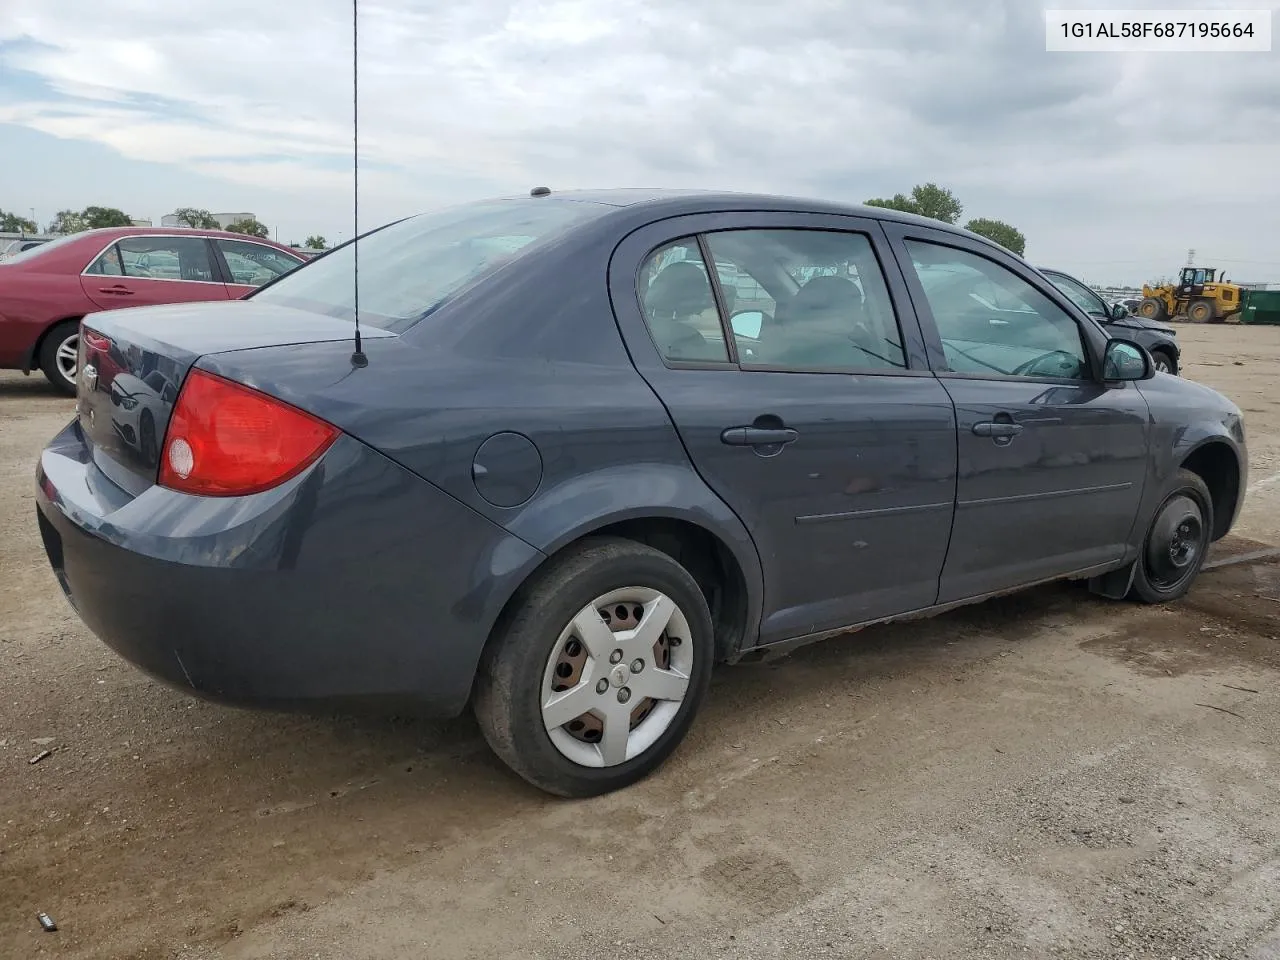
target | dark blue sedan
x=589, y=445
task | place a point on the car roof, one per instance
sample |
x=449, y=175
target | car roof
x=670, y=202
x=108, y=233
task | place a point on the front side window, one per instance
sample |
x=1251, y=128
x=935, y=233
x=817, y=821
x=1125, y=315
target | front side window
x=1025, y=334
x=253, y=264
x=1079, y=294
x=166, y=258
x=679, y=304
x=807, y=300
x=410, y=268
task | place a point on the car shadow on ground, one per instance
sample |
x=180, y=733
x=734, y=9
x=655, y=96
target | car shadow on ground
x=34, y=386
x=279, y=811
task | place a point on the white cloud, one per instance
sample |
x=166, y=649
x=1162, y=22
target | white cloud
x=844, y=98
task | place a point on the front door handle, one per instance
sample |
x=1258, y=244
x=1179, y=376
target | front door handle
x=118, y=291
x=988, y=428
x=758, y=436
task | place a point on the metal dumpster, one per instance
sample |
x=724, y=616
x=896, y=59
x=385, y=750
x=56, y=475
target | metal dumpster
x=1260, y=306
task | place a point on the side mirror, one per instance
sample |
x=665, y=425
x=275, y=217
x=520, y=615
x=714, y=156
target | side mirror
x=1125, y=360
x=747, y=324
x=1119, y=311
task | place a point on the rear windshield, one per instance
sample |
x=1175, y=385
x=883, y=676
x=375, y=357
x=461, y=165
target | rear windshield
x=40, y=249
x=411, y=267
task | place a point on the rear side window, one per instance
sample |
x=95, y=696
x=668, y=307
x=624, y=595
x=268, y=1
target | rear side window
x=156, y=258
x=410, y=268
x=679, y=305
x=807, y=300
x=107, y=264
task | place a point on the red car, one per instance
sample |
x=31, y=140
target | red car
x=45, y=291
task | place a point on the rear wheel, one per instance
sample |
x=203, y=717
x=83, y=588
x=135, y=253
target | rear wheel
x=595, y=676
x=1152, y=308
x=58, y=356
x=1201, y=312
x=1176, y=543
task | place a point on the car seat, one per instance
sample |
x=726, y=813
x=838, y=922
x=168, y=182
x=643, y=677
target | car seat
x=678, y=294
x=821, y=325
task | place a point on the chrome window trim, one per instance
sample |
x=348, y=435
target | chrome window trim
x=169, y=236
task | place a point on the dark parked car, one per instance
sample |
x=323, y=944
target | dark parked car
x=45, y=290
x=560, y=480
x=1160, y=339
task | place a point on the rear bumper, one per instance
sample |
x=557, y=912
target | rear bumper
x=355, y=582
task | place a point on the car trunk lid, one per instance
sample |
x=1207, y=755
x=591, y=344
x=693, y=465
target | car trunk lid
x=133, y=361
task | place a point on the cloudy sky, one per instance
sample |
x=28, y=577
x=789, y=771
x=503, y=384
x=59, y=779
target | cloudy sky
x=1112, y=165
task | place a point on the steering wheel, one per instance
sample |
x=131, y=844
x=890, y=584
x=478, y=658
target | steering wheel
x=1031, y=365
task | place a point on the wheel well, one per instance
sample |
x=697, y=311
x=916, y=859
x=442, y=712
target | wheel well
x=708, y=561
x=711, y=564
x=1215, y=464
x=33, y=358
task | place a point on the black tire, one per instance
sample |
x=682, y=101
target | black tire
x=147, y=440
x=1153, y=308
x=1160, y=576
x=55, y=338
x=509, y=681
x=1202, y=311
x=1164, y=361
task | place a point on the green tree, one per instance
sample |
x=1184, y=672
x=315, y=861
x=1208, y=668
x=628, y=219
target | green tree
x=195, y=217
x=251, y=228
x=67, y=221
x=926, y=200
x=98, y=217
x=315, y=242
x=12, y=223
x=1010, y=238
x=899, y=201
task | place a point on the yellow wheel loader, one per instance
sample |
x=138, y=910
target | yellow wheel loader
x=1197, y=296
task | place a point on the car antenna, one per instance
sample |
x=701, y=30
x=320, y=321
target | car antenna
x=358, y=359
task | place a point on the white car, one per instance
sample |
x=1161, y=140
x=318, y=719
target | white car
x=136, y=406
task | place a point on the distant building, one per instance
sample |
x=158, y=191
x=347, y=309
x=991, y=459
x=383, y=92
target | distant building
x=141, y=223
x=224, y=219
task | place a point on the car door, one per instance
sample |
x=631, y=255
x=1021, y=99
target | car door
x=247, y=265
x=1052, y=460
x=818, y=422
x=145, y=270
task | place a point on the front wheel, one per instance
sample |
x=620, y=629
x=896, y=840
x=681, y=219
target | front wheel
x=1201, y=312
x=1163, y=362
x=59, y=357
x=1152, y=308
x=594, y=676
x=1177, y=542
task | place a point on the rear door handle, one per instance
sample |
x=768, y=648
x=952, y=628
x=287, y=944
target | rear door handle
x=758, y=436
x=118, y=291
x=988, y=428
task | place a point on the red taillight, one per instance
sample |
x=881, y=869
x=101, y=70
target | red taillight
x=227, y=440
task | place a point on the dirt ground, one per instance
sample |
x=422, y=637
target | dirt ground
x=1045, y=775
